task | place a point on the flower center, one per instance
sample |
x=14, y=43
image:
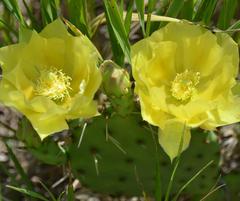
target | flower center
x=54, y=84
x=184, y=85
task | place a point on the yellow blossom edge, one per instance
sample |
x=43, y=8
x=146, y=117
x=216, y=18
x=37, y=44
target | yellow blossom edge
x=54, y=50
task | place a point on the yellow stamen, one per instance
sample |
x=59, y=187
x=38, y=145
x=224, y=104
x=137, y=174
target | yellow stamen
x=184, y=85
x=54, y=84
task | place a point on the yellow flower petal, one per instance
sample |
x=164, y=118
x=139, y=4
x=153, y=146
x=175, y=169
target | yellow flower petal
x=174, y=138
x=8, y=57
x=44, y=126
x=83, y=59
x=56, y=29
x=151, y=114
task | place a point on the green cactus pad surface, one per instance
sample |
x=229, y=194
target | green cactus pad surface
x=47, y=151
x=231, y=190
x=228, y=188
x=118, y=156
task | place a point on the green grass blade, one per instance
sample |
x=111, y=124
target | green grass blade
x=236, y=25
x=48, y=11
x=118, y=55
x=49, y=192
x=141, y=10
x=77, y=11
x=227, y=13
x=169, y=188
x=70, y=193
x=96, y=22
x=128, y=18
x=173, y=10
x=205, y=11
x=190, y=180
x=60, y=197
x=158, y=186
x=121, y=8
x=187, y=10
x=35, y=24
x=177, y=161
x=28, y=192
x=13, y=7
x=18, y=167
x=213, y=191
x=9, y=28
x=151, y=5
x=45, y=12
x=117, y=25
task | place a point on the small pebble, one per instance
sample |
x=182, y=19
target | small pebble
x=3, y=157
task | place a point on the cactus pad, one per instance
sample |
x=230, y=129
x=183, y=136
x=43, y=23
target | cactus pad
x=123, y=160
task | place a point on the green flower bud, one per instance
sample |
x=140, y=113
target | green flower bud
x=116, y=80
x=117, y=86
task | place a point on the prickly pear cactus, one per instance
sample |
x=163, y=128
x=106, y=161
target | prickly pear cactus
x=118, y=156
x=117, y=152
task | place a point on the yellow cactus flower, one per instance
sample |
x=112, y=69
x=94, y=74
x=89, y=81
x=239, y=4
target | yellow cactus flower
x=50, y=77
x=185, y=77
